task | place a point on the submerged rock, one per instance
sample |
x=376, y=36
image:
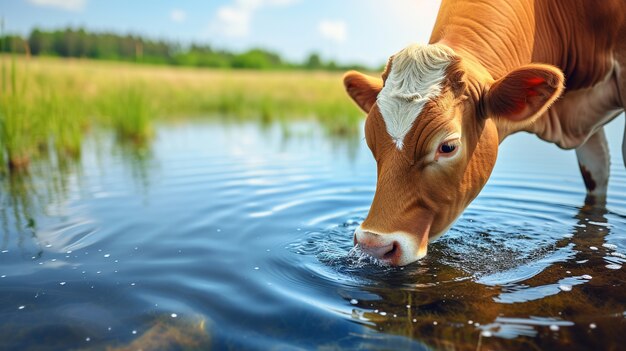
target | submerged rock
x=171, y=334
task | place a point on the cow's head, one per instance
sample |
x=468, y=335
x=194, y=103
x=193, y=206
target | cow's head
x=434, y=123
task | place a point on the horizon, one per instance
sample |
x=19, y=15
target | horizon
x=342, y=32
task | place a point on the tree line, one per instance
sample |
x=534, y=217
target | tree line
x=80, y=43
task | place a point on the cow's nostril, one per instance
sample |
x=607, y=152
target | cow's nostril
x=394, y=250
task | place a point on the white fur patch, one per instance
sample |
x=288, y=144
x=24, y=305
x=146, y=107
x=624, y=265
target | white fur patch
x=415, y=78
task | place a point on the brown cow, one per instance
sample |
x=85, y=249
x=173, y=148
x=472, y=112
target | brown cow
x=493, y=67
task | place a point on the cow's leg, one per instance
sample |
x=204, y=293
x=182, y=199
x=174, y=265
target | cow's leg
x=620, y=74
x=593, y=160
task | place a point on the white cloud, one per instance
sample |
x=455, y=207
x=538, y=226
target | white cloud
x=234, y=20
x=178, y=15
x=333, y=30
x=68, y=5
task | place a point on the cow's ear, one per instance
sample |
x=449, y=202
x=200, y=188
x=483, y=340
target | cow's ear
x=363, y=89
x=524, y=94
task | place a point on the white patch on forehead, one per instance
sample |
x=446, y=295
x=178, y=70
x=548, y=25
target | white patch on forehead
x=415, y=78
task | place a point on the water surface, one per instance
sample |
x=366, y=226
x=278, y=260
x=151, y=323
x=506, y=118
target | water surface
x=239, y=237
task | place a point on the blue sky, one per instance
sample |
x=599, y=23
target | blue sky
x=365, y=31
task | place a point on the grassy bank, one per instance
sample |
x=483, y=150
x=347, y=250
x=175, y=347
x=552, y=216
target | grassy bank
x=53, y=103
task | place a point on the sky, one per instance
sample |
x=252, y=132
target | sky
x=349, y=31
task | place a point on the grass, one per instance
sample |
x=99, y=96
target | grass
x=48, y=102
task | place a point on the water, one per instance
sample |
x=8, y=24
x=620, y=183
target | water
x=240, y=237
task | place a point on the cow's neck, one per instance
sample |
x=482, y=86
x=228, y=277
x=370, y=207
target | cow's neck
x=499, y=37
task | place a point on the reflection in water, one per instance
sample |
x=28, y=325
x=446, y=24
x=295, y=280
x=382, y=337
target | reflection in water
x=138, y=157
x=26, y=195
x=576, y=296
x=231, y=236
x=52, y=182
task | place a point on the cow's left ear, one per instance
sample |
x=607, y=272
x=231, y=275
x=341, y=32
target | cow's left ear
x=525, y=93
x=363, y=89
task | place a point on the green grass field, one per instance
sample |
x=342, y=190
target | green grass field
x=48, y=103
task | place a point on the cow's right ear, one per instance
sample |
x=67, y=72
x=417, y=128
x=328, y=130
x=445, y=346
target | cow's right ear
x=363, y=89
x=524, y=94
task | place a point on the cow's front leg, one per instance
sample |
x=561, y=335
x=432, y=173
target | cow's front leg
x=593, y=160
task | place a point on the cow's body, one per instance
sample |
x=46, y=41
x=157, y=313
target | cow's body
x=553, y=68
x=586, y=39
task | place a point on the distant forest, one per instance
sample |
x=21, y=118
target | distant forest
x=81, y=43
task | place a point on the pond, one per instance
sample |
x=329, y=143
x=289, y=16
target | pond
x=239, y=236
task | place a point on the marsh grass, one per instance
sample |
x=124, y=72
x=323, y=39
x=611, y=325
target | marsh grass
x=15, y=124
x=130, y=112
x=48, y=102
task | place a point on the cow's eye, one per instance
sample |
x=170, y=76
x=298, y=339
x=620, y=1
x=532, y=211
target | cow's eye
x=448, y=148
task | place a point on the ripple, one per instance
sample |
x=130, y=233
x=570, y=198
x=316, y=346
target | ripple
x=257, y=236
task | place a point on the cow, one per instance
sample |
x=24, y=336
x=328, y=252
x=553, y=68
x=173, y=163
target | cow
x=492, y=68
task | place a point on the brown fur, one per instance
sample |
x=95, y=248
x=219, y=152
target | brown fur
x=515, y=59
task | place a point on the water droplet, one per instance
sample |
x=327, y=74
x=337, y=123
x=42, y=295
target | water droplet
x=613, y=266
x=486, y=334
x=87, y=339
x=132, y=284
x=21, y=307
x=414, y=320
x=134, y=332
x=3, y=276
x=593, y=248
x=470, y=322
x=109, y=328
x=565, y=287
x=408, y=306
x=554, y=327
x=69, y=252
x=435, y=323
x=98, y=272
x=48, y=245
x=592, y=326
x=382, y=313
x=107, y=255
x=354, y=301
x=62, y=283
x=174, y=315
